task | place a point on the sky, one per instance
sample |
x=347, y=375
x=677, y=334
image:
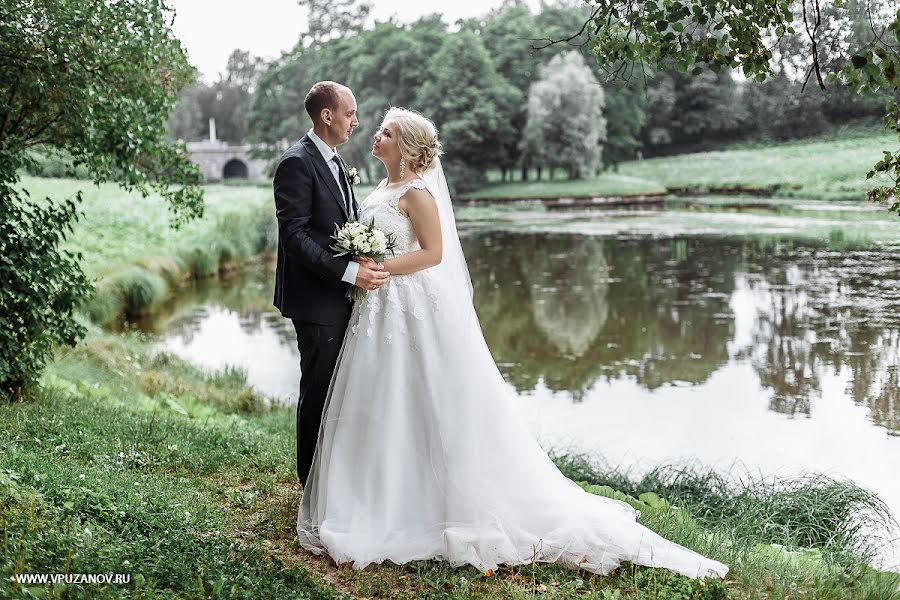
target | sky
x=210, y=31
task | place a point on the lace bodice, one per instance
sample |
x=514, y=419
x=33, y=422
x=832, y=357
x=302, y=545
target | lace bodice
x=403, y=297
x=382, y=205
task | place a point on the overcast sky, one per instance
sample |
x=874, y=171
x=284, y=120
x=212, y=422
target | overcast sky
x=210, y=29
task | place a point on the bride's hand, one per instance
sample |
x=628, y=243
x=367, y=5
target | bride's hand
x=368, y=263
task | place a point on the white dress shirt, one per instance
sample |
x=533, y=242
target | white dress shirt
x=328, y=153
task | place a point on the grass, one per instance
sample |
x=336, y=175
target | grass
x=136, y=259
x=607, y=184
x=127, y=461
x=827, y=168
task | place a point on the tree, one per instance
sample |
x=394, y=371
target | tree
x=565, y=124
x=328, y=19
x=809, y=110
x=384, y=66
x=186, y=121
x=626, y=101
x=227, y=101
x=626, y=116
x=779, y=111
x=472, y=105
x=506, y=33
x=95, y=80
x=689, y=36
x=692, y=112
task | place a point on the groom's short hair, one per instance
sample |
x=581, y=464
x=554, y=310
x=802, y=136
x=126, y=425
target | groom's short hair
x=322, y=95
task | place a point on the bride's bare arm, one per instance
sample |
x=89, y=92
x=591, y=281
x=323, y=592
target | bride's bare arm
x=422, y=211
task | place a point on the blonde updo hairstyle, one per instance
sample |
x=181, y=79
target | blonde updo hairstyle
x=417, y=139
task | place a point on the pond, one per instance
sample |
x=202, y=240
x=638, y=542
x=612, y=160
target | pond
x=749, y=351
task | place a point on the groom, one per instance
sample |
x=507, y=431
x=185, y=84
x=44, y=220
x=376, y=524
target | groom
x=312, y=195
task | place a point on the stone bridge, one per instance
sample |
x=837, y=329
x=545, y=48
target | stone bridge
x=219, y=160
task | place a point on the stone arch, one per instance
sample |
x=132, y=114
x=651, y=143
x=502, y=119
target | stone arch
x=235, y=169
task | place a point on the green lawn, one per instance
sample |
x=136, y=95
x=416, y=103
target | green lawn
x=137, y=259
x=831, y=169
x=120, y=227
x=608, y=184
x=126, y=461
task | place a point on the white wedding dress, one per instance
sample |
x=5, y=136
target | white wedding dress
x=422, y=453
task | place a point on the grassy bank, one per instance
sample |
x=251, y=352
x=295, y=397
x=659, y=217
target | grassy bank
x=130, y=462
x=137, y=259
x=831, y=168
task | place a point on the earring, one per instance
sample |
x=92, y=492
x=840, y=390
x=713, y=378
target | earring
x=402, y=168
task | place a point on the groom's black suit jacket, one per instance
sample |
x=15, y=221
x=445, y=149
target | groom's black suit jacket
x=308, y=205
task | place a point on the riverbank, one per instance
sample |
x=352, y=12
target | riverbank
x=137, y=260
x=830, y=168
x=127, y=461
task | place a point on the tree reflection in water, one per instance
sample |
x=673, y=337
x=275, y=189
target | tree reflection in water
x=601, y=308
x=565, y=311
x=660, y=311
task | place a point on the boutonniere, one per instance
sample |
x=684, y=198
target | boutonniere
x=353, y=175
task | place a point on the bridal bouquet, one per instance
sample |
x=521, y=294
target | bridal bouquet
x=357, y=239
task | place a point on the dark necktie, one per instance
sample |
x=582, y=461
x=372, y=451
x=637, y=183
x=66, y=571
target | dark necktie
x=342, y=178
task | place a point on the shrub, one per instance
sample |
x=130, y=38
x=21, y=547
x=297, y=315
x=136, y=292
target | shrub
x=201, y=262
x=51, y=163
x=42, y=286
x=140, y=290
x=266, y=231
x=170, y=268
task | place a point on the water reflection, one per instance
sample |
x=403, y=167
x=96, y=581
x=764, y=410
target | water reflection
x=824, y=311
x=562, y=312
x=654, y=310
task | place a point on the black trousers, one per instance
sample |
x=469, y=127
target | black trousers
x=319, y=347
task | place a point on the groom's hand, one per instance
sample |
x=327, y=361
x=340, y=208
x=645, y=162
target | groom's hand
x=371, y=275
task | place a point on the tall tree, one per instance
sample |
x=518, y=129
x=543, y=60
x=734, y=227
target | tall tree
x=227, y=101
x=690, y=113
x=507, y=33
x=472, y=105
x=565, y=116
x=328, y=19
x=777, y=109
x=625, y=119
x=97, y=82
x=387, y=65
x=626, y=101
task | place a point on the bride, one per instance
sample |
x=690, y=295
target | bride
x=421, y=452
